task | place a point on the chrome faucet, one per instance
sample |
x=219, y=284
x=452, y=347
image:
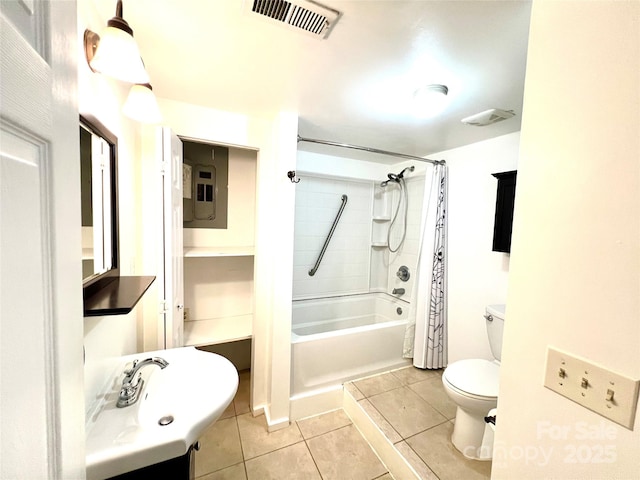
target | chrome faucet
x=132, y=386
x=397, y=291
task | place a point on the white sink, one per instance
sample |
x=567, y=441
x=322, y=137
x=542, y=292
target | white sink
x=194, y=389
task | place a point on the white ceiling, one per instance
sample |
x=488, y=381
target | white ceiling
x=356, y=85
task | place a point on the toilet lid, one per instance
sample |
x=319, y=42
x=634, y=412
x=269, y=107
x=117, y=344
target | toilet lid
x=474, y=376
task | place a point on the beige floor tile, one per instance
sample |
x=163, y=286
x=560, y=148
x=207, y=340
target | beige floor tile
x=386, y=476
x=407, y=413
x=314, y=426
x=415, y=461
x=344, y=454
x=353, y=391
x=229, y=412
x=380, y=421
x=412, y=374
x=436, y=450
x=433, y=392
x=293, y=462
x=256, y=440
x=219, y=447
x=241, y=400
x=235, y=472
x=378, y=384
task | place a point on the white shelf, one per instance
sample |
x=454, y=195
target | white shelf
x=87, y=254
x=199, y=252
x=217, y=330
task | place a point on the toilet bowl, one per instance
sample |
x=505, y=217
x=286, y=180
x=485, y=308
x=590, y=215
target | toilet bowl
x=473, y=385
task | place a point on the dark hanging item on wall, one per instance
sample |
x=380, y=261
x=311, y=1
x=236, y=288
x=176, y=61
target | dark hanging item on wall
x=292, y=176
x=503, y=222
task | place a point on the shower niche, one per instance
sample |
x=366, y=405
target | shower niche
x=381, y=217
x=218, y=236
x=380, y=221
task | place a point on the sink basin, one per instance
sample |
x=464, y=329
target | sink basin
x=189, y=394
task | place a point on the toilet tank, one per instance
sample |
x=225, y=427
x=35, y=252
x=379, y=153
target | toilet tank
x=494, y=319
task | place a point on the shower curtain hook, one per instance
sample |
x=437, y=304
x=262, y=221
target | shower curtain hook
x=292, y=176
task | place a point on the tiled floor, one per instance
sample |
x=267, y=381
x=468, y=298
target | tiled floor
x=411, y=408
x=326, y=447
x=409, y=405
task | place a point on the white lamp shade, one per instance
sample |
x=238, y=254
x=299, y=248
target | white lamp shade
x=118, y=56
x=141, y=105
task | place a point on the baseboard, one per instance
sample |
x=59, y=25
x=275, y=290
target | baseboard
x=258, y=410
x=275, y=424
x=316, y=402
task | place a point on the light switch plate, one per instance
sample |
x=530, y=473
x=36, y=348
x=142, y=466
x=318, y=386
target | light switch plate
x=607, y=393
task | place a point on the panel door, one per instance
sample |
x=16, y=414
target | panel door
x=41, y=389
x=173, y=257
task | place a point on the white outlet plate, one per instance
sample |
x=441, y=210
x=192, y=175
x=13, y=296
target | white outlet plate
x=589, y=385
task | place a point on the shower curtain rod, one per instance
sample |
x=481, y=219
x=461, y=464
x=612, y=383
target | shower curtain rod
x=370, y=149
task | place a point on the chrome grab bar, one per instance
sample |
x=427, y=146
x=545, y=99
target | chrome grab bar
x=313, y=271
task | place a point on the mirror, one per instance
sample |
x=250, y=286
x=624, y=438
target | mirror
x=99, y=204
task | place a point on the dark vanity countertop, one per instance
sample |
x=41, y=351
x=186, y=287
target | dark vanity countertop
x=118, y=297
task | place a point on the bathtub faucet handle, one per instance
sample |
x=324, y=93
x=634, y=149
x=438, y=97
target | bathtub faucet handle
x=403, y=273
x=398, y=291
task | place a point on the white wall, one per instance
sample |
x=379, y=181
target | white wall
x=334, y=165
x=107, y=338
x=477, y=276
x=575, y=267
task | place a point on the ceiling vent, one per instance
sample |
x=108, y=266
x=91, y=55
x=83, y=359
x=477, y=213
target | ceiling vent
x=303, y=15
x=488, y=117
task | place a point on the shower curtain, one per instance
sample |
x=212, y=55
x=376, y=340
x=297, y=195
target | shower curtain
x=426, y=335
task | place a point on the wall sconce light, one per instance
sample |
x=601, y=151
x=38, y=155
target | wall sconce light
x=141, y=104
x=115, y=53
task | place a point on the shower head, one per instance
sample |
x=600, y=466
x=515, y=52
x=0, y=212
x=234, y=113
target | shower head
x=401, y=174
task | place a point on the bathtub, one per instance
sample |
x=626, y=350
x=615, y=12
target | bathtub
x=338, y=339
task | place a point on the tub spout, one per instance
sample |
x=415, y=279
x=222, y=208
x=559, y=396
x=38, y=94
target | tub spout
x=397, y=291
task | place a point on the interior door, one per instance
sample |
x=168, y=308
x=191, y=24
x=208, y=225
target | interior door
x=41, y=328
x=173, y=254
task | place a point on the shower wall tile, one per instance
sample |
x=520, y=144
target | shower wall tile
x=346, y=263
x=408, y=254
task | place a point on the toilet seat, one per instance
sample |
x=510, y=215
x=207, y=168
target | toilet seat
x=474, y=377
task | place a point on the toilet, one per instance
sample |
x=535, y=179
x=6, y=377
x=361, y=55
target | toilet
x=473, y=385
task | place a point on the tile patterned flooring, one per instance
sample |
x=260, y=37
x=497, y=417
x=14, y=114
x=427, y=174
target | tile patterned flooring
x=409, y=405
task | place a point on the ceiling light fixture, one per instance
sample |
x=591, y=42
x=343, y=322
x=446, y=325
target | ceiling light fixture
x=141, y=104
x=115, y=53
x=430, y=100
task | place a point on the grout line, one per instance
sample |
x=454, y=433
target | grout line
x=328, y=431
x=274, y=450
x=313, y=459
x=244, y=460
